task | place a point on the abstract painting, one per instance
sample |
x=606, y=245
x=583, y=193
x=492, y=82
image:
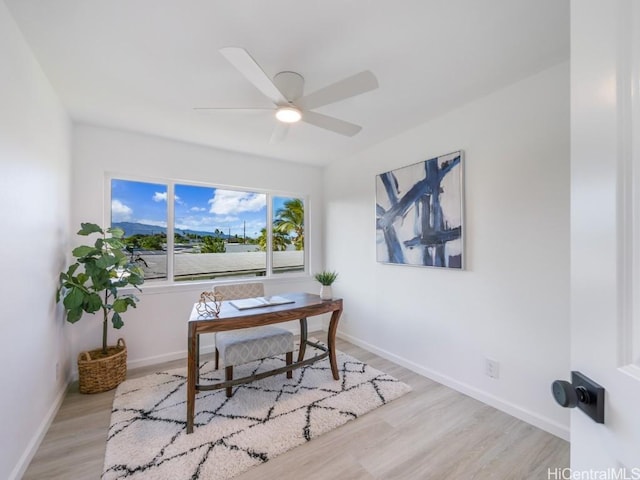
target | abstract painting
x=419, y=213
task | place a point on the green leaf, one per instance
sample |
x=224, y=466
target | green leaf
x=136, y=269
x=118, y=244
x=134, y=279
x=100, y=279
x=326, y=277
x=92, y=303
x=84, y=251
x=119, y=283
x=72, y=269
x=117, y=320
x=120, y=305
x=73, y=299
x=131, y=300
x=116, y=232
x=91, y=269
x=106, y=261
x=89, y=228
x=74, y=315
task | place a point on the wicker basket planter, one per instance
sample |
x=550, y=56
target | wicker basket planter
x=102, y=374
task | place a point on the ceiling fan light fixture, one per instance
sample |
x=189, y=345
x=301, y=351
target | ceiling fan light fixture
x=288, y=114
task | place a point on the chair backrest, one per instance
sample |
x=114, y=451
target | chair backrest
x=236, y=291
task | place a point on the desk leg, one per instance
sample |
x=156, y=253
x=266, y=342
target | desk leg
x=303, y=339
x=197, y=358
x=331, y=340
x=192, y=369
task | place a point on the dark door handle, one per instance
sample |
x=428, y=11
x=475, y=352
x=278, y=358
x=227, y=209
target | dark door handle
x=583, y=393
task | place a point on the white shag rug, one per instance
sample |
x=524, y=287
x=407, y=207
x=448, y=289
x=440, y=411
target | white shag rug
x=147, y=437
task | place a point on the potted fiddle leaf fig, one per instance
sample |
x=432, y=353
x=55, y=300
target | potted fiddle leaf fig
x=92, y=285
x=326, y=279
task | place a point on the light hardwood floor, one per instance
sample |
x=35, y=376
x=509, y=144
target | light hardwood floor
x=431, y=433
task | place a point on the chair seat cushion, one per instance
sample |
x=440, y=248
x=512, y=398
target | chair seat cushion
x=237, y=347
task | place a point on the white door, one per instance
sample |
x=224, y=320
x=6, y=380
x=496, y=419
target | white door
x=605, y=231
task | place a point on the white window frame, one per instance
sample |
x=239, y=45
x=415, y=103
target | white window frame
x=170, y=228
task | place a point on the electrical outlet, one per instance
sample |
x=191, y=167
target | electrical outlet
x=491, y=368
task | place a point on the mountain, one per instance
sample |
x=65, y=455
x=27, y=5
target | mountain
x=131, y=228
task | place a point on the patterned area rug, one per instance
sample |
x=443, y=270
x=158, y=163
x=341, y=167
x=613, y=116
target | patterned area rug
x=263, y=419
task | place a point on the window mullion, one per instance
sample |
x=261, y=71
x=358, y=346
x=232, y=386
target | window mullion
x=269, y=235
x=170, y=231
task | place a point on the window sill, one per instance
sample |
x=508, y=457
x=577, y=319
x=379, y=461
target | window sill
x=156, y=287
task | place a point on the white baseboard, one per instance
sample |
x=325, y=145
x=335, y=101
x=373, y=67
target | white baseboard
x=512, y=409
x=167, y=357
x=38, y=436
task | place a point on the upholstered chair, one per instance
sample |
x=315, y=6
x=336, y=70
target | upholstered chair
x=237, y=347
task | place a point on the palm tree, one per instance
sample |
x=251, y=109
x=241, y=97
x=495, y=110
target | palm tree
x=290, y=219
x=279, y=241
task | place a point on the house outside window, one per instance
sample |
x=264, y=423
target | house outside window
x=186, y=232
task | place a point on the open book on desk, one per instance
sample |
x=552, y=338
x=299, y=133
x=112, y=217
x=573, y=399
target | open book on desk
x=256, y=302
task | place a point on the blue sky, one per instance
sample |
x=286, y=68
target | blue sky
x=196, y=208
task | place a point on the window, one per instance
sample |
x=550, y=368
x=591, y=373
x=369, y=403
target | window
x=217, y=233
x=288, y=235
x=212, y=232
x=140, y=210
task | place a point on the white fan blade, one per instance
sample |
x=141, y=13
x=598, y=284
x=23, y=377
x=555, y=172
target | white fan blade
x=349, y=87
x=330, y=123
x=235, y=109
x=279, y=132
x=247, y=66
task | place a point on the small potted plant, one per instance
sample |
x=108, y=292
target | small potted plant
x=91, y=284
x=326, y=279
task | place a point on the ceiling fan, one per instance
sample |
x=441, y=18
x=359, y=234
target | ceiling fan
x=286, y=92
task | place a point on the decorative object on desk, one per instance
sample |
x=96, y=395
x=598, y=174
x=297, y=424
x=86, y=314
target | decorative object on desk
x=326, y=279
x=209, y=304
x=419, y=213
x=95, y=287
x=147, y=438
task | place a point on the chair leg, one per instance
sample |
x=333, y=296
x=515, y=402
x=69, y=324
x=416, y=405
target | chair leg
x=217, y=357
x=289, y=362
x=228, y=376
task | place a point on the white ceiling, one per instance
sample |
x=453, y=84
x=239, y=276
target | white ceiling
x=144, y=64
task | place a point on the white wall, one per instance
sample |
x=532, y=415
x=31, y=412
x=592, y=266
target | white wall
x=511, y=304
x=157, y=329
x=34, y=205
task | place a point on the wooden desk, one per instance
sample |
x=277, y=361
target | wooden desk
x=230, y=318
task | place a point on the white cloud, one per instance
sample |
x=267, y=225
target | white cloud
x=207, y=224
x=162, y=197
x=225, y=202
x=198, y=209
x=227, y=219
x=120, y=212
